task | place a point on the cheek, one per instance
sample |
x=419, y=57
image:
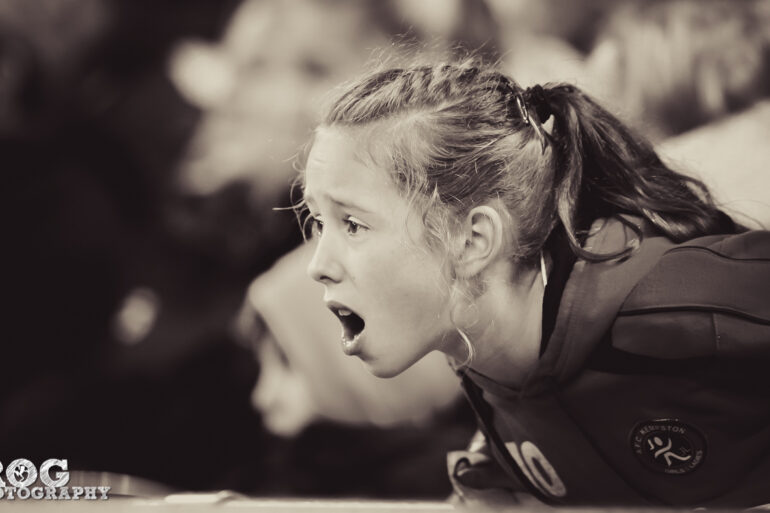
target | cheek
x=409, y=285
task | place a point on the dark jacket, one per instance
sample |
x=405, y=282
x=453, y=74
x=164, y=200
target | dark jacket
x=653, y=388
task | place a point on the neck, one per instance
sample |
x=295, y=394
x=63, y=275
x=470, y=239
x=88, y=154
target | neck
x=507, y=336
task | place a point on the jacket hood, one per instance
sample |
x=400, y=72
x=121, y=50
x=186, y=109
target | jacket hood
x=592, y=298
x=594, y=294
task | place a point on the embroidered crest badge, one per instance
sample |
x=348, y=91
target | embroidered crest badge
x=668, y=446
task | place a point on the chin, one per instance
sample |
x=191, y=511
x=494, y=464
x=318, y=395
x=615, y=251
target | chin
x=382, y=371
x=285, y=428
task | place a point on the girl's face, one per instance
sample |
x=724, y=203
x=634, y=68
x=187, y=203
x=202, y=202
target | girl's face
x=387, y=288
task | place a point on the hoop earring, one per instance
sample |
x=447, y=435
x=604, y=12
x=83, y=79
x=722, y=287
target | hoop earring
x=471, y=352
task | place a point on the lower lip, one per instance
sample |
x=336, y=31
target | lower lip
x=352, y=347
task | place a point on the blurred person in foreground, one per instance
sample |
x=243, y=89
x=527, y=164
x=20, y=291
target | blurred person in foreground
x=347, y=432
x=608, y=323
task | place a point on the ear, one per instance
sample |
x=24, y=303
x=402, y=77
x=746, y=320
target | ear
x=483, y=239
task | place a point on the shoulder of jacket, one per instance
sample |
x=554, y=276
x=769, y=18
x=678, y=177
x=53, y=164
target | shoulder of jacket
x=707, y=296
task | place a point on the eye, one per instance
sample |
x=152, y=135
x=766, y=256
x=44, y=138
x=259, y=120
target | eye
x=353, y=227
x=316, y=227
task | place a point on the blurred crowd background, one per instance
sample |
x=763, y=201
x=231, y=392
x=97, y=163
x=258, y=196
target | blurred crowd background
x=147, y=150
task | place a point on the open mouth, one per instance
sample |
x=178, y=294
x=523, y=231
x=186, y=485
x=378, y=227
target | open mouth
x=352, y=323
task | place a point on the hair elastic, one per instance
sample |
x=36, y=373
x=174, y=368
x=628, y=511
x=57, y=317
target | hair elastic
x=539, y=102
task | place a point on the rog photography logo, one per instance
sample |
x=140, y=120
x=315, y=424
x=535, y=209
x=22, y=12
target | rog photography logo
x=23, y=481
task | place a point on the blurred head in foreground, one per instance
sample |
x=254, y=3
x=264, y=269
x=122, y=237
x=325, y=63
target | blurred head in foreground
x=305, y=377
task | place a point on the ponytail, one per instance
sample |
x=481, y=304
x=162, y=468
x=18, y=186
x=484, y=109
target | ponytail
x=602, y=170
x=458, y=135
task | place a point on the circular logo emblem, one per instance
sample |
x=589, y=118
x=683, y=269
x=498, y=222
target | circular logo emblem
x=668, y=446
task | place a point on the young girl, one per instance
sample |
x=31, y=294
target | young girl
x=609, y=324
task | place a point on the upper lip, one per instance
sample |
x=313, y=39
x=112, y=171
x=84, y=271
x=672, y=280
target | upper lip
x=336, y=306
x=352, y=322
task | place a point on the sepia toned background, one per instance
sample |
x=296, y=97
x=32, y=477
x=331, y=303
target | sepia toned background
x=157, y=321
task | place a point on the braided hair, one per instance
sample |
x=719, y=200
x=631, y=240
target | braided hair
x=458, y=135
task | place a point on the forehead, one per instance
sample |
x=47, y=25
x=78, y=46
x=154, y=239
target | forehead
x=338, y=167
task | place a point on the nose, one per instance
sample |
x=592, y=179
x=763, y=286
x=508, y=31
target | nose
x=324, y=267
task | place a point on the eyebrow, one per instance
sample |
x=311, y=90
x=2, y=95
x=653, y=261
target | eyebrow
x=349, y=206
x=340, y=203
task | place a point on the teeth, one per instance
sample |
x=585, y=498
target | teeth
x=346, y=340
x=344, y=312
